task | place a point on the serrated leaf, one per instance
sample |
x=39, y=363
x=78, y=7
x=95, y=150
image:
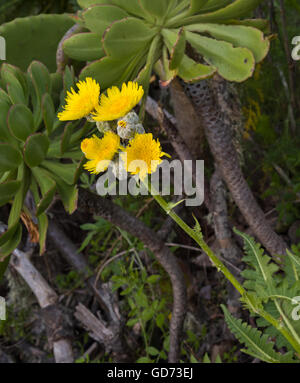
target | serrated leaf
x=257, y=260
x=256, y=342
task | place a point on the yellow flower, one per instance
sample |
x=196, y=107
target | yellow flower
x=100, y=151
x=80, y=104
x=142, y=155
x=118, y=102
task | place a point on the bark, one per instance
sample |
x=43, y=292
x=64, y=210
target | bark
x=188, y=124
x=219, y=134
x=102, y=292
x=103, y=207
x=58, y=331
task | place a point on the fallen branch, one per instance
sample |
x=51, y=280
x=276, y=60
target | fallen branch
x=58, y=332
x=102, y=292
x=98, y=330
x=89, y=202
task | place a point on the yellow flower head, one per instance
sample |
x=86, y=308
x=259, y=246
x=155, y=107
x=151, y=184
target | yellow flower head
x=142, y=155
x=100, y=151
x=118, y=102
x=80, y=104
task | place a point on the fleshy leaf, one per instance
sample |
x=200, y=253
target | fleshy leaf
x=233, y=64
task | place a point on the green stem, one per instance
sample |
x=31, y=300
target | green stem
x=221, y=267
x=193, y=234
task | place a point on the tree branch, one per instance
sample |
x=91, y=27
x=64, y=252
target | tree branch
x=97, y=205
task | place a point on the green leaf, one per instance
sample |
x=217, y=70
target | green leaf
x=84, y=47
x=35, y=149
x=153, y=279
x=178, y=50
x=10, y=73
x=261, y=24
x=233, y=64
x=132, y=322
x=196, y=6
x=15, y=92
x=66, y=137
x=238, y=35
x=4, y=97
x=40, y=76
x=4, y=132
x=126, y=37
x=144, y=359
x=10, y=158
x=213, y=5
x=48, y=188
x=156, y=8
x=206, y=358
x=20, y=121
x=191, y=71
x=40, y=84
x=8, y=190
x=133, y=7
x=34, y=38
x=257, y=343
x=233, y=10
x=43, y=227
x=108, y=71
x=152, y=351
x=261, y=269
x=160, y=320
x=11, y=245
x=99, y=17
x=15, y=211
x=48, y=112
x=64, y=171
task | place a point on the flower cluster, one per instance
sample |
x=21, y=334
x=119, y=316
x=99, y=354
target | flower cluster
x=122, y=131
